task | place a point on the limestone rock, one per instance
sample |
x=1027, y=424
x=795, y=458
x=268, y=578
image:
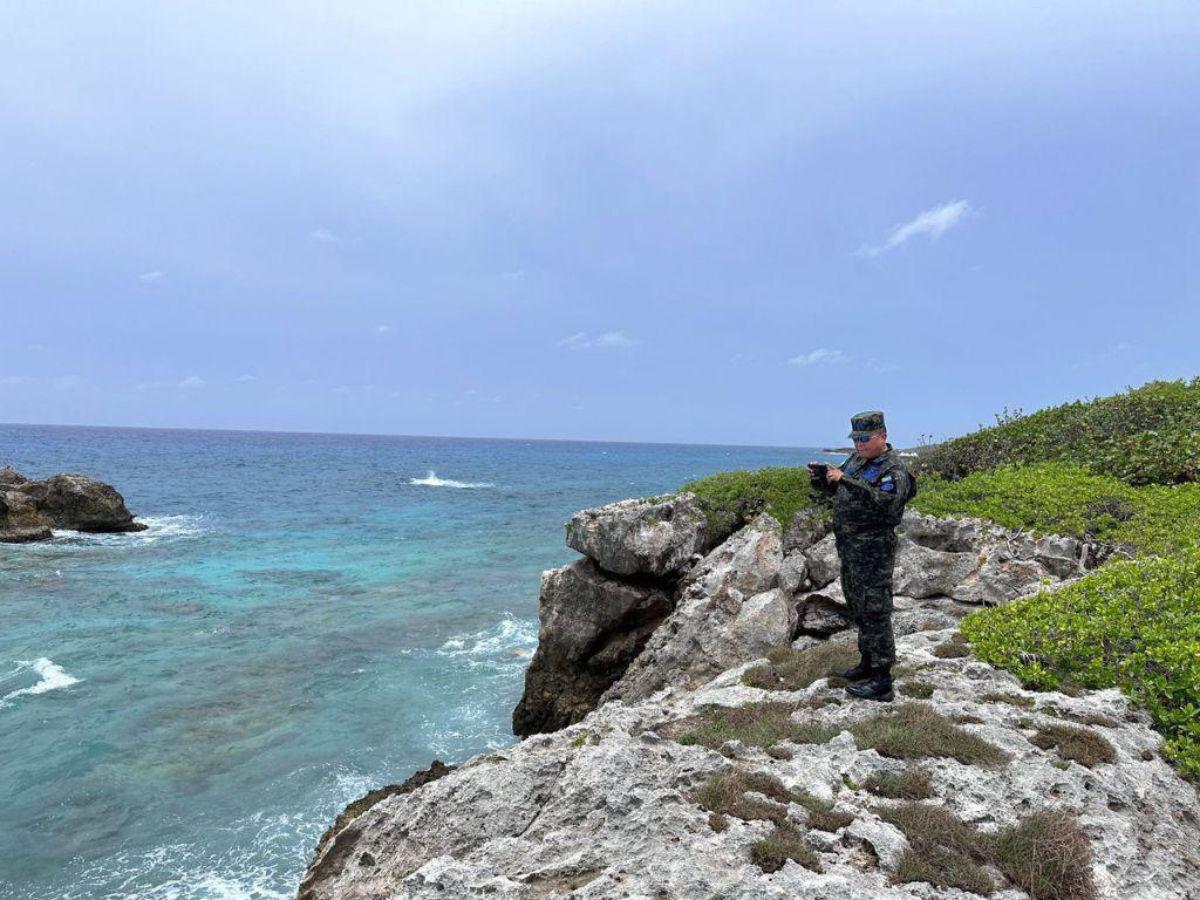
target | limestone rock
x=921, y=571
x=591, y=626
x=823, y=562
x=607, y=809
x=824, y=613
x=655, y=537
x=793, y=573
x=729, y=611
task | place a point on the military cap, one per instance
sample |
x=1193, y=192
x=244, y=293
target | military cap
x=871, y=420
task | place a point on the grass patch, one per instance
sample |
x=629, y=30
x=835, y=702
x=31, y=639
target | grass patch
x=1047, y=856
x=755, y=725
x=921, y=690
x=1045, y=853
x=794, y=670
x=726, y=795
x=1142, y=436
x=1083, y=745
x=954, y=648
x=1133, y=624
x=1091, y=718
x=731, y=499
x=916, y=731
x=942, y=850
x=1019, y=700
x=784, y=843
x=911, y=784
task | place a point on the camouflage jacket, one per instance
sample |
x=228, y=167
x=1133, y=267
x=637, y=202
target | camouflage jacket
x=871, y=493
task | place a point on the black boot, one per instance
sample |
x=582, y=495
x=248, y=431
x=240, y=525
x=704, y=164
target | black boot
x=878, y=688
x=860, y=672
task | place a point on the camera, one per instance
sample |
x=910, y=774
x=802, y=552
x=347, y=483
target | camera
x=817, y=470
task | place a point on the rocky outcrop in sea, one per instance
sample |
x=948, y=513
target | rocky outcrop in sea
x=685, y=740
x=30, y=509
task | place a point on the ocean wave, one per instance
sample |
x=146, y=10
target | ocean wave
x=511, y=638
x=158, y=528
x=51, y=677
x=431, y=480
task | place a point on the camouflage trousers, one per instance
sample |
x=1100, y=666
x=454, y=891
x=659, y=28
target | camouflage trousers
x=867, y=559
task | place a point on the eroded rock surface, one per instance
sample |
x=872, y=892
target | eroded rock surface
x=607, y=807
x=592, y=625
x=654, y=537
x=729, y=610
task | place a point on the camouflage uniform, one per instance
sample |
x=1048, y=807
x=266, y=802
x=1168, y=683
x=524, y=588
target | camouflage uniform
x=868, y=502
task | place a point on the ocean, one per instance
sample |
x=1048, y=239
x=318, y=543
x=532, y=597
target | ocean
x=184, y=710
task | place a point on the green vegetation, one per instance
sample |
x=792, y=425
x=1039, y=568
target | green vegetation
x=911, y=784
x=784, y=843
x=794, y=670
x=1145, y=435
x=730, y=499
x=1080, y=744
x=726, y=795
x=755, y=725
x=1045, y=853
x=916, y=730
x=1133, y=624
x=1065, y=498
x=1011, y=699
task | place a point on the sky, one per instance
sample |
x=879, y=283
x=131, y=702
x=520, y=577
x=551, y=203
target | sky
x=671, y=221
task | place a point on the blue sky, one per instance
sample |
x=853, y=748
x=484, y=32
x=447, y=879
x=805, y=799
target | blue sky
x=702, y=222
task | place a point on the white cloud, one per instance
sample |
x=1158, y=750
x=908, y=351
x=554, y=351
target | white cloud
x=820, y=356
x=382, y=329
x=609, y=340
x=932, y=223
x=246, y=379
x=151, y=277
x=191, y=382
x=16, y=379
x=324, y=236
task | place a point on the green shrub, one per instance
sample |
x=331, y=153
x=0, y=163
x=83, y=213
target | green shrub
x=730, y=499
x=1133, y=624
x=1065, y=498
x=1145, y=435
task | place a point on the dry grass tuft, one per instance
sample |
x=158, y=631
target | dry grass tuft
x=755, y=725
x=1011, y=699
x=794, y=670
x=921, y=690
x=1080, y=744
x=942, y=850
x=726, y=796
x=1047, y=856
x=911, y=784
x=784, y=843
x=955, y=648
x=916, y=730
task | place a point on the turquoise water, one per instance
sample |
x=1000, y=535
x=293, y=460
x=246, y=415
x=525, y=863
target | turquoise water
x=184, y=710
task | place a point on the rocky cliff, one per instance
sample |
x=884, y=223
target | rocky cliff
x=694, y=746
x=29, y=509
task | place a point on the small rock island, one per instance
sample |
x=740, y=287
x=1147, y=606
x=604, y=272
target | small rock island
x=30, y=509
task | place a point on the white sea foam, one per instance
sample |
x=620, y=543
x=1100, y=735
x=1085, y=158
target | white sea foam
x=158, y=528
x=512, y=638
x=431, y=480
x=51, y=677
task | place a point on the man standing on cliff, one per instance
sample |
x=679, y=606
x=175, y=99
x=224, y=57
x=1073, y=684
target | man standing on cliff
x=869, y=492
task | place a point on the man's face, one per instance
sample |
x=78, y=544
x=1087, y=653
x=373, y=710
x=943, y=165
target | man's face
x=872, y=447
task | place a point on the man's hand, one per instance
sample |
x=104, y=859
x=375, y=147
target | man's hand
x=833, y=474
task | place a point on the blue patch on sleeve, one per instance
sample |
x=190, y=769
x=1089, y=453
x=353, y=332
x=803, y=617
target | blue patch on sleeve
x=889, y=486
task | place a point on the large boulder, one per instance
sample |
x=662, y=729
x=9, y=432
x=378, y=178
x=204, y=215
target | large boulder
x=77, y=503
x=592, y=626
x=655, y=537
x=730, y=610
x=922, y=571
x=808, y=526
x=824, y=565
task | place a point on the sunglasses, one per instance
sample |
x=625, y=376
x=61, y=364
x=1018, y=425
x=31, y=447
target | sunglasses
x=862, y=438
